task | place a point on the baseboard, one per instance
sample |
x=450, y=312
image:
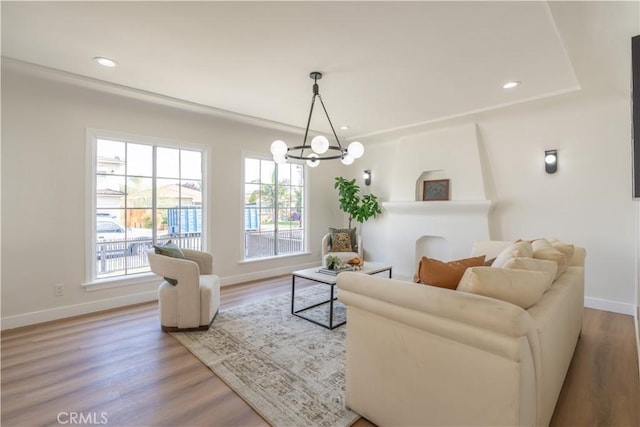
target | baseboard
x=48, y=315
x=612, y=306
x=34, y=317
x=637, y=319
x=264, y=274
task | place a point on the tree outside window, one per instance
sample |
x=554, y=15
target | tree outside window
x=274, y=208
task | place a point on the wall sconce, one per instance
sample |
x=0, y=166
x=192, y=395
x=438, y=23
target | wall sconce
x=367, y=177
x=551, y=161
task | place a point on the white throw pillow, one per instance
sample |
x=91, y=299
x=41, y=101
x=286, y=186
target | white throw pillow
x=520, y=287
x=532, y=264
x=517, y=249
x=543, y=249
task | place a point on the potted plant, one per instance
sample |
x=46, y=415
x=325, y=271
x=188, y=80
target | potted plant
x=358, y=208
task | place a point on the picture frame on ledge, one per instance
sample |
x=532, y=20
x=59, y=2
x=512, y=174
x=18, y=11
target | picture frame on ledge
x=437, y=189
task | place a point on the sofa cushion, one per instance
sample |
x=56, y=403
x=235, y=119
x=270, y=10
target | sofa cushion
x=341, y=242
x=352, y=235
x=444, y=274
x=532, y=264
x=516, y=249
x=523, y=288
x=543, y=249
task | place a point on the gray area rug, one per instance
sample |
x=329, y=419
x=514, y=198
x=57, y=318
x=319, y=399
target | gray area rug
x=289, y=370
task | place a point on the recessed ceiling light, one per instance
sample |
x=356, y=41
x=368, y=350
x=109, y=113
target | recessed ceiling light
x=510, y=85
x=105, y=62
x=344, y=128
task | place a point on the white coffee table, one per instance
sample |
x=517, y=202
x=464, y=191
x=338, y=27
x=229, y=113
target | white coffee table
x=330, y=280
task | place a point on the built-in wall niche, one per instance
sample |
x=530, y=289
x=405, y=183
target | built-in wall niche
x=430, y=175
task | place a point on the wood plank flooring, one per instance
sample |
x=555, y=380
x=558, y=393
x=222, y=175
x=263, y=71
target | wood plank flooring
x=120, y=365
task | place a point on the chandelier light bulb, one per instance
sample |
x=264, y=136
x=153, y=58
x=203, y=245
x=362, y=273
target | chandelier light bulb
x=356, y=150
x=278, y=148
x=280, y=159
x=312, y=163
x=347, y=159
x=320, y=144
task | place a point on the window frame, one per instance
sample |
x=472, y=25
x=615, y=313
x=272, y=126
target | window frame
x=305, y=217
x=92, y=282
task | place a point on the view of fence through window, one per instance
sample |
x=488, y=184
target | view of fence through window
x=145, y=195
x=274, y=208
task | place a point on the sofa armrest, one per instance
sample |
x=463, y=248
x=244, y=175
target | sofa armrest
x=578, y=258
x=418, y=355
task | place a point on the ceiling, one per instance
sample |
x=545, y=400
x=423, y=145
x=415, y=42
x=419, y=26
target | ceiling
x=387, y=66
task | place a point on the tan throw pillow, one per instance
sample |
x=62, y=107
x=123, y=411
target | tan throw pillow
x=352, y=233
x=532, y=264
x=517, y=249
x=520, y=287
x=542, y=249
x=444, y=274
x=567, y=249
x=340, y=242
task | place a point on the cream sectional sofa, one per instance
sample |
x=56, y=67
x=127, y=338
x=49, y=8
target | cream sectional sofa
x=419, y=355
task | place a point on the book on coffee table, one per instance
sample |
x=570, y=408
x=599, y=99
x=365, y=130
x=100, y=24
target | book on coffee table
x=335, y=272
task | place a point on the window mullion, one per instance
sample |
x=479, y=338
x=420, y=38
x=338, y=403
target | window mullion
x=180, y=228
x=276, y=203
x=154, y=195
x=126, y=204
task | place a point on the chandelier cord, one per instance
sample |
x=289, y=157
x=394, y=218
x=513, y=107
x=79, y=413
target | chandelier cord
x=306, y=132
x=330, y=124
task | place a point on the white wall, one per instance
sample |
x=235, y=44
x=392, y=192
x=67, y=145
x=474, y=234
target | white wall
x=43, y=192
x=587, y=202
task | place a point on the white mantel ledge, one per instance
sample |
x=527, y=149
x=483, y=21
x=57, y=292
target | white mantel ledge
x=440, y=207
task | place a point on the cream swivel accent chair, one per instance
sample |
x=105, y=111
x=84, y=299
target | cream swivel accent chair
x=193, y=302
x=344, y=256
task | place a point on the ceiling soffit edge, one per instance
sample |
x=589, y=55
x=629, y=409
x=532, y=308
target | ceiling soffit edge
x=141, y=95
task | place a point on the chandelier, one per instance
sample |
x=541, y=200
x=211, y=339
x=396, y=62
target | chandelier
x=320, y=148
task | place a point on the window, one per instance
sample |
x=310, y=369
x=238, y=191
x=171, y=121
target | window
x=143, y=194
x=274, y=210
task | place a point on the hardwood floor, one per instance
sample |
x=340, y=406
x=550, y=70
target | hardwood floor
x=119, y=367
x=602, y=386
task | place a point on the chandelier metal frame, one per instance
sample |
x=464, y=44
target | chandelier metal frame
x=320, y=148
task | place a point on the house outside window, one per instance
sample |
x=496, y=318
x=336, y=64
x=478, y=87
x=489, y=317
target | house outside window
x=274, y=210
x=143, y=194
